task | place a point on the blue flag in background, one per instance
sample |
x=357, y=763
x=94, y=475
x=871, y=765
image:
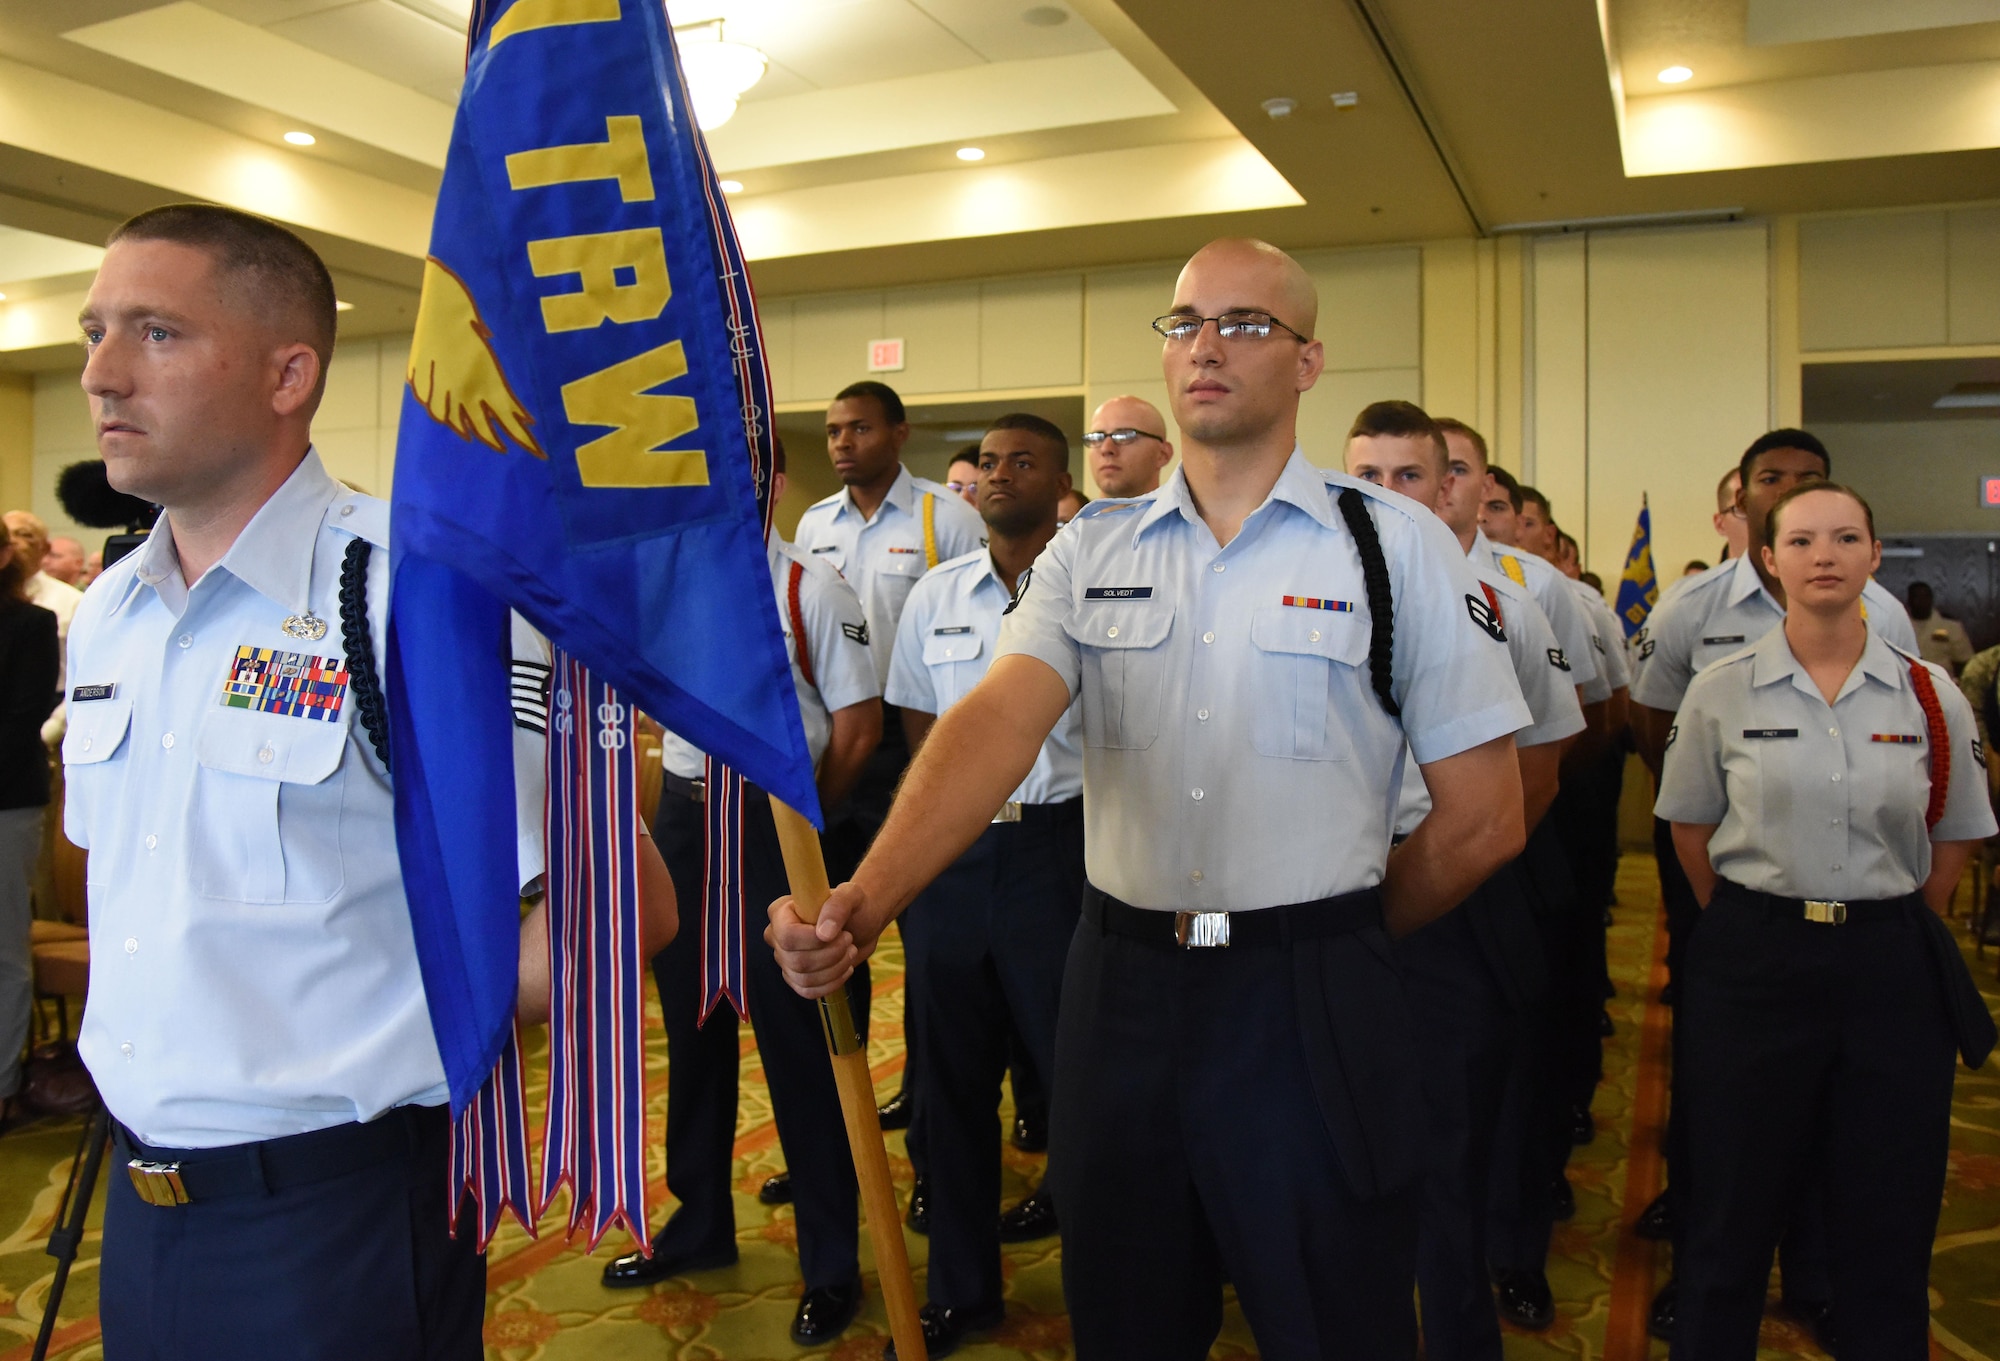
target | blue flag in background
x=1639, y=587
x=583, y=438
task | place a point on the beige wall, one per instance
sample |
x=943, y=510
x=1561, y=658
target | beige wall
x=17, y=441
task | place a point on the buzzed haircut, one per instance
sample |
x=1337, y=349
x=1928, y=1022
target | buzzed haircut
x=1399, y=419
x=1563, y=536
x=1508, y=484
x=274, y=262
x=969, y=454
x=1452, y=425
x=1804, y=440
x=1528, y=493
x=884, y=395
x=1036, y=425
x=1725, y=499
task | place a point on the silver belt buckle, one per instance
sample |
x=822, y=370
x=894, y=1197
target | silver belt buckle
x=698, y=791
x=157, y=1183
x=1825, y=913
x=1201, y=930
x=1010, y=811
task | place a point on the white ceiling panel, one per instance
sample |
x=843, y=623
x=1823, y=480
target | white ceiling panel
x=1014, y=30
x=1770, y=22
x=391, y=40
x=31, y=255
x=833, y=43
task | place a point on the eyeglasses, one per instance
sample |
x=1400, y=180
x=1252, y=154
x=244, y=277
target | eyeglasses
x=960, y=486
x=1185, y=326
x=1121, y=437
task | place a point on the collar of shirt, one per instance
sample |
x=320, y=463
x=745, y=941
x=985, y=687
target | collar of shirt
x=902, y=493
x=1744, y=583
x=1299, y=484
x=265, y=556
x=1774, y=662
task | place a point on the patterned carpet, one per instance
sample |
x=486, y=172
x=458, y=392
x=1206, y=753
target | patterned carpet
x=546, y=1304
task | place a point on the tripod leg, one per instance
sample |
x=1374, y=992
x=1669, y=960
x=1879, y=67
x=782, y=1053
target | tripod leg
x=68, y=1233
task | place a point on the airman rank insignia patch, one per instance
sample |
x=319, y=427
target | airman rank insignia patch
x=1672, y=733
x=1486, y=617
x=1558, y=659
x=1313, y=602
x=266, y=680
x=1646, y=648
x=856, y=633
x=1979, y=753
x=1906, y=739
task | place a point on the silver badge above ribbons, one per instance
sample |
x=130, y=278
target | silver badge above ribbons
x=307, y=626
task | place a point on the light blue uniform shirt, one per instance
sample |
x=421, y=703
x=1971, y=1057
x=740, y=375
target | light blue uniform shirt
x=836, y=646
x=1560, y=606
x=947, y=641
x=1722, y=611
x=1812, y=800
x=1607, y=644
x=252, y=968
x=883, y=557
x=1235, y=755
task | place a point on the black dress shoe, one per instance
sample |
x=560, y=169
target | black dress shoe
x=1662, y=1317
x=919, y=1217
x=1582, y=1128
x=1817, y=1316
x=1033, y=1218
x=1031, y=1136
x=825, y=1313
x=1524, y=1300
x=1655, y=1223
x=944, y=1329
x=776, y=1190
x=896, y=1111
x=634, y=1269
x=1562, y=1199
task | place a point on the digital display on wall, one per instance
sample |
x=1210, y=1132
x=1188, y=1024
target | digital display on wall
x=1989, y=492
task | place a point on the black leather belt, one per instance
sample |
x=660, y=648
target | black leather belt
x=1821, y=911
x=177, y=1176
x=696, y=791
x=1264, y=926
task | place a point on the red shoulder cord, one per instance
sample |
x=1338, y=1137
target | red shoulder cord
x=799, y=626
x=1940, y=741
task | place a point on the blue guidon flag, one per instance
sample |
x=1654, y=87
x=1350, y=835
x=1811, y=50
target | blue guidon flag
x=585, y=438
x=1639, y=586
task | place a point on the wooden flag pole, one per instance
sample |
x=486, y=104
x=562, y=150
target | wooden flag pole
x=805, y=869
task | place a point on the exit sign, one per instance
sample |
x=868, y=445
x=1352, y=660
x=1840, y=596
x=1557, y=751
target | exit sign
x=1989, y=492
x=886, y=356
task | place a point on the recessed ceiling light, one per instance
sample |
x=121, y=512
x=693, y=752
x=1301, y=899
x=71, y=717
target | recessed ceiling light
x=300, y=138
x=340, y=306
x=1282, y=107
x=1045, y=16
x=971, y=153
x=1674, y=75
x=732, y=186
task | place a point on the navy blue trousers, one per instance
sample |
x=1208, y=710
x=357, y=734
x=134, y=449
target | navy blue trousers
x=989, y=937
x=1218, y=1108
x=360, y=1265
x=703, y=1063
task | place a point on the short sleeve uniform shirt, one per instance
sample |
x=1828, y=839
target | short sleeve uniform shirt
x=949, y=635
x=1235, y=753
x=1812, y=800
x=883, y=557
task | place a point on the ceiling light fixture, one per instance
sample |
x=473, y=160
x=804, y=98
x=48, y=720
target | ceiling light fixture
x=340, y=306
x=718, y=72
x=300, y=138
x=971, y=153
x=732, y=186
x=1674, y=75
x=1969, y=396
x=1281, y=107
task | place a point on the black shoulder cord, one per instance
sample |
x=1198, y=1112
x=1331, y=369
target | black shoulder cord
x=1381, y=603
x=362, y=681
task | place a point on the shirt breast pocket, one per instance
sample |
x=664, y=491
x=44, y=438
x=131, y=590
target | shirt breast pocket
x=1297, y=655
x=264, y=823
x=953, y=662
x=96, y=734
x=1123, y=643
